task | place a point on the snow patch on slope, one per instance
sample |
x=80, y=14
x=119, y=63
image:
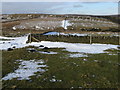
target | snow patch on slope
x=26, y=69
x=20, y=42
x=76, y=47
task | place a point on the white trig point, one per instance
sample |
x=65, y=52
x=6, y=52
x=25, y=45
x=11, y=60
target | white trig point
x=65, y=26
x=65, y=23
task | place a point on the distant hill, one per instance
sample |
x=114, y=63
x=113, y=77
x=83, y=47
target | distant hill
x=113, y=18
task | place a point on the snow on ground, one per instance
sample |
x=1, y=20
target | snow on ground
x=57, y=33
x=2, y=37
x=77, y=55
x=74, y=34
x=76, y=47
x=20, y=42
x=117, y=35
x=78, y=34
x=43, y=52
x=55, y=80
x=52, y=33
x=26, y=69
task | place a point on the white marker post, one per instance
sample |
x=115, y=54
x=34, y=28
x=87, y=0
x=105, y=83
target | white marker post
x=65, y=23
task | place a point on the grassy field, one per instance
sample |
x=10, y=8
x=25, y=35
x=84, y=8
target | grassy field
x=61, y=68
x=63, y=71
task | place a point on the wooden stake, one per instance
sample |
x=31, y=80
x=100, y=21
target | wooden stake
x=119, y=39
x=30, y=37
x=90, y=39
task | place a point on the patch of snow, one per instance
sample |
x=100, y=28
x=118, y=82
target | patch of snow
x=26, y=69
x=72, y=87
x=95, y=60
x=93, y=75
x=52, y=33
x=37, y=27
x=117, y=35
x=77, y=55
x=84, y=59
x=29, y=15
x=55, y=80
x=112, y=54
x=47, y=52
x=20, y=26
x=57, y=33
x=73, y=34
x=51, y=15
x=48, y=27
x=2, y=37
x=18, y=42
x=76, y=47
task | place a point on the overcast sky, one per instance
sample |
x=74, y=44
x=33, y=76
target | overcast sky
x=109, y=8
x=59, y=0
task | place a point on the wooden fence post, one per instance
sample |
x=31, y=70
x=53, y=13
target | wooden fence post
x=90, y=39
